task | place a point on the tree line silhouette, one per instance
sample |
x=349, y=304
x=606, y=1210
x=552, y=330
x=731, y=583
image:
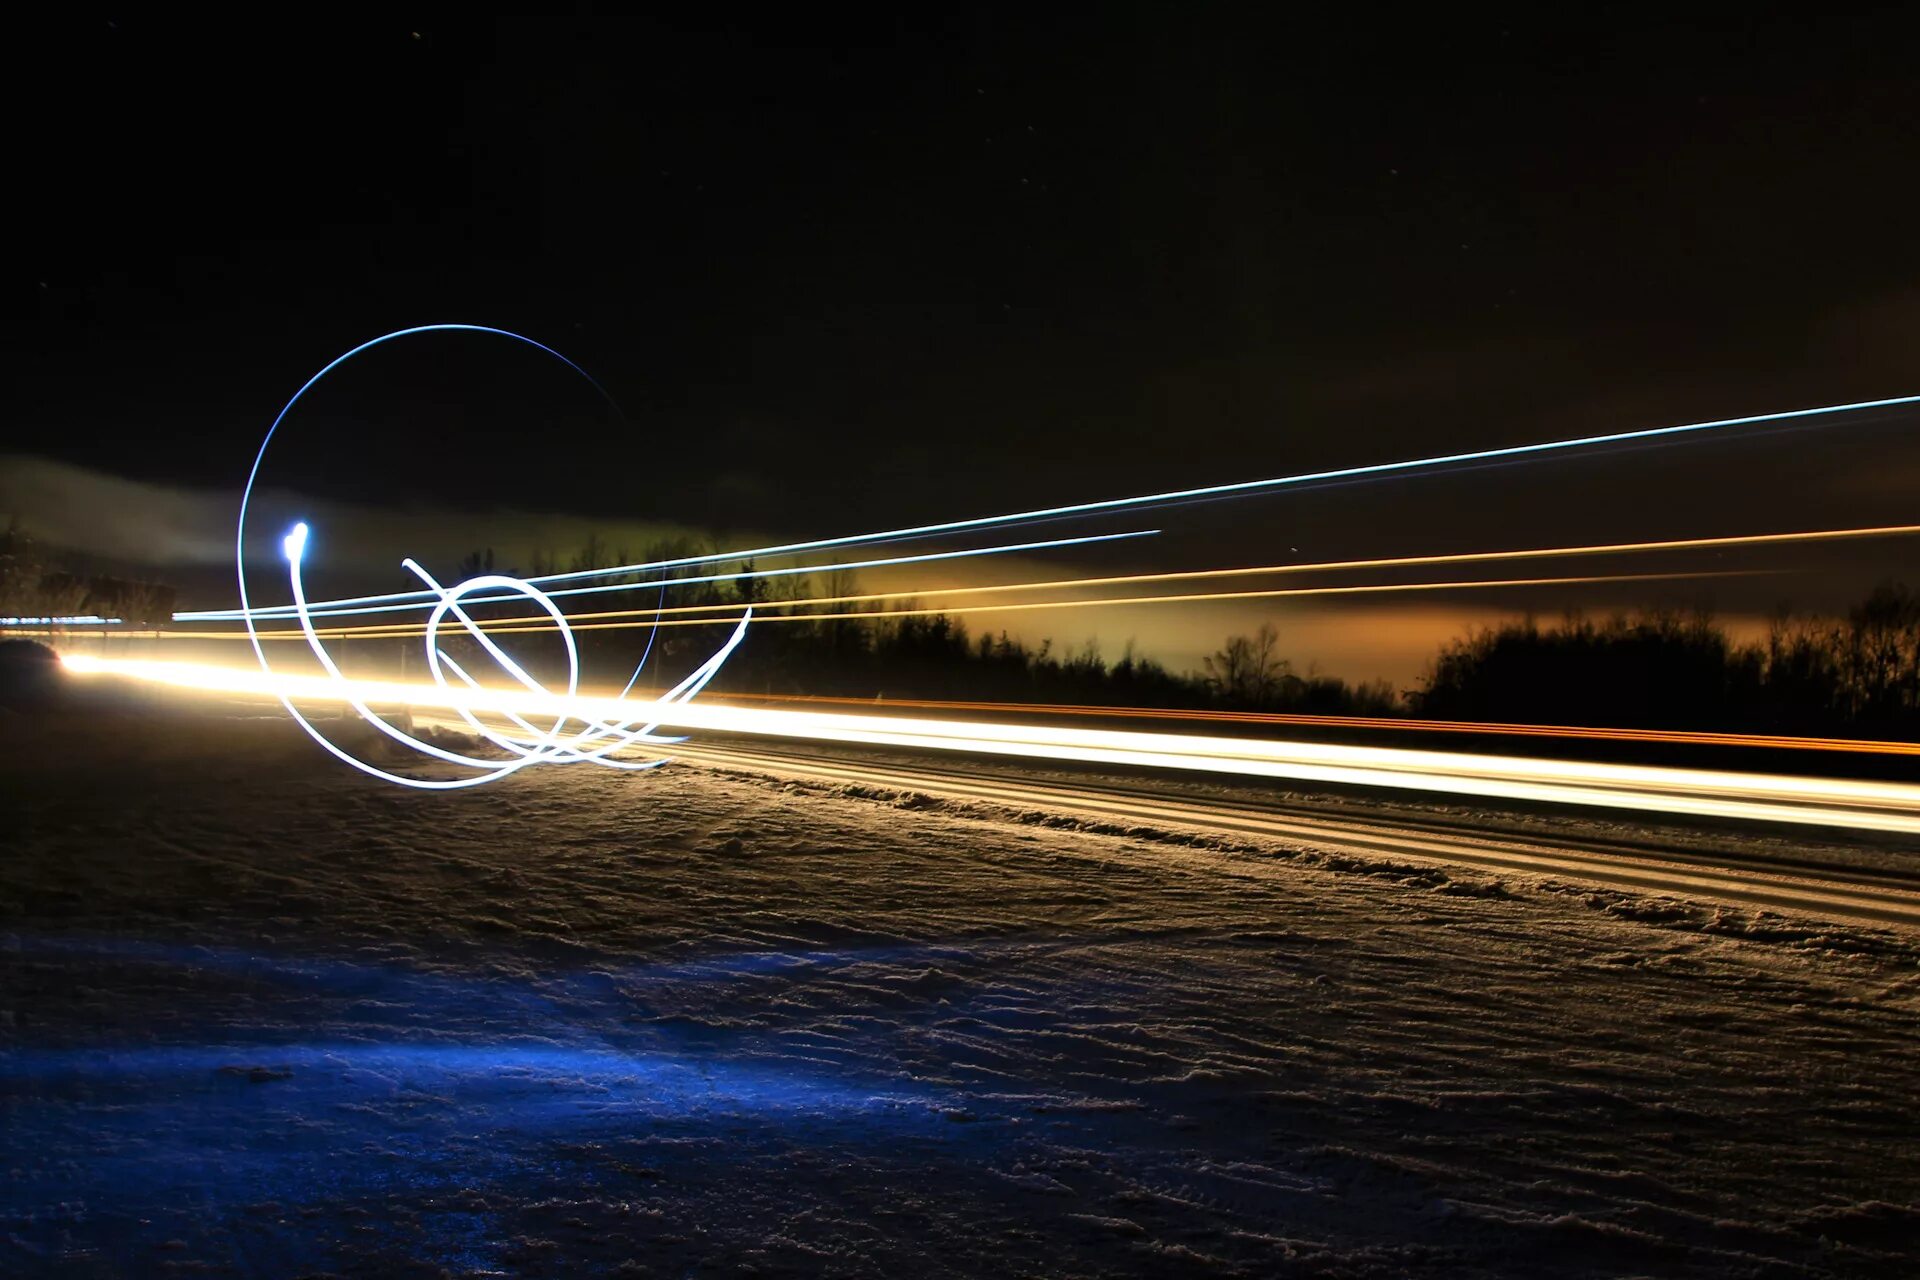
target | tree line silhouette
x=1854, y=675
x=924, y=655
x=33, y=583
x=1857, y=674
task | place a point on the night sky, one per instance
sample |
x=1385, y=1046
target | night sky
x=891, y=266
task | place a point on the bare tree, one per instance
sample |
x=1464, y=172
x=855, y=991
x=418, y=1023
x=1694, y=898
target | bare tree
x=1248, y=669
x=591, y=555
x=139, y=603
x=1881, y=654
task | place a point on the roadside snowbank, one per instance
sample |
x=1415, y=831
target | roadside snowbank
x=266, y=1016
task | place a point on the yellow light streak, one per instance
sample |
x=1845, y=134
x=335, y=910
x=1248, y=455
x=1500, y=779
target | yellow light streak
x=1187, y=575
x=519, y=626
x=1831, y=802
x=1679, y=737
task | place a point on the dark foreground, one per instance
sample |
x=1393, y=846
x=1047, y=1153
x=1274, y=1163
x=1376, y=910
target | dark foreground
x=262, y=1016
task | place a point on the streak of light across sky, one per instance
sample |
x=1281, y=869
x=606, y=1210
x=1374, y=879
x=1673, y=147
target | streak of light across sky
x=1051, y=544
x=532, y=626
x=1829, y=802
x=1393, y=562
x=612, y=726
x=1237, y=488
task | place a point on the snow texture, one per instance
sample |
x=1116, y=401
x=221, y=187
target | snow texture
x=262, y=1016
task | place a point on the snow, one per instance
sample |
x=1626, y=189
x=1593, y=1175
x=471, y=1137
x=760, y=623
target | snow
x=260, y=1015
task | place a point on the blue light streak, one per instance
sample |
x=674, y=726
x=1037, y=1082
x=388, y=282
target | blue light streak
x=1205, y=492
x=369, y=604
x=64, y=620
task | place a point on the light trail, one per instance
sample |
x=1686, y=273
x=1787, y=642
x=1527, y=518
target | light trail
x=1676, y=737
x=1436, y=461
x=1185, y=575
x=64, y=620
x=1050, y=544
x=1879, y=806
x=509, y=627
x=610, y=726
x=600, y=738
x=595, y=743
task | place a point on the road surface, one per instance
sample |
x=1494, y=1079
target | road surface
x=1654, y=860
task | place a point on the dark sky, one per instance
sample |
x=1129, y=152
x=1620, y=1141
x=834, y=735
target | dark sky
x=893, y=265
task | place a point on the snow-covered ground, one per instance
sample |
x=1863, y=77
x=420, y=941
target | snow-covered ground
x=261, y=1015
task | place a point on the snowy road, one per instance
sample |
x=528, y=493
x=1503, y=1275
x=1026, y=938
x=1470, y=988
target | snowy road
x=1803, y=885
x=262, y=1016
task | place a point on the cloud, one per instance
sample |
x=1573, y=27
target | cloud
x=87, y=511
x=171, y=527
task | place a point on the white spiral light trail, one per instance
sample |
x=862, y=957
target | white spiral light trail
x=611, y=729
x=610, y=726
x=599, y=738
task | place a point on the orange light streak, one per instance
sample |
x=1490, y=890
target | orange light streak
x=722, y=612
x=526, y=626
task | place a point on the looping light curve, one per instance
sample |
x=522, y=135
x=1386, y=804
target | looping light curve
x=525, y=743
